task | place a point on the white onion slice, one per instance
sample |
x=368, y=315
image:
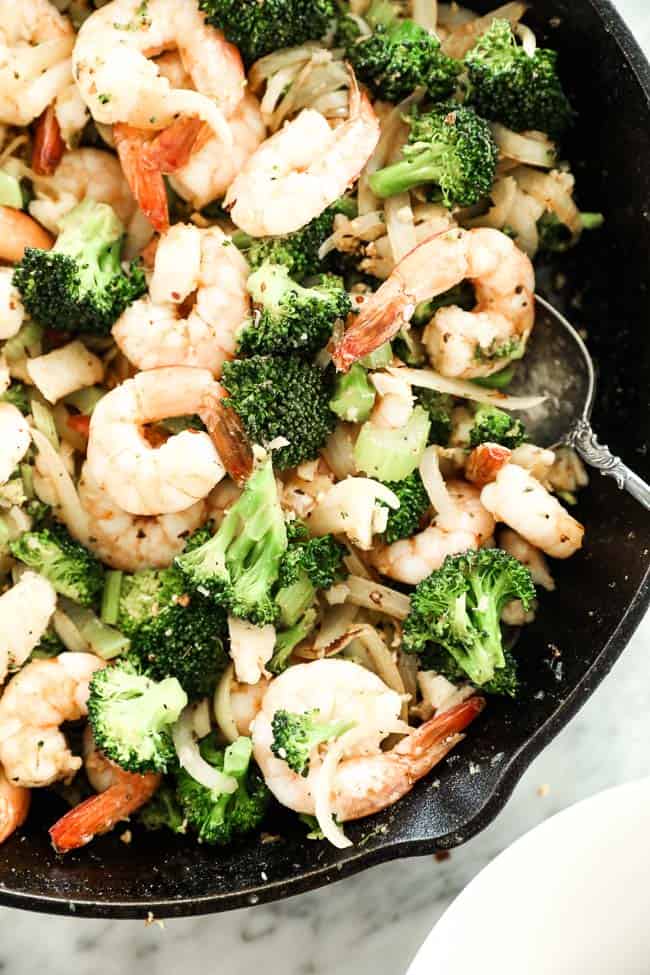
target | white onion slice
x=373, y=595
x=51, y=467
x=464, y=389
x=191, y=760
x=533, y=148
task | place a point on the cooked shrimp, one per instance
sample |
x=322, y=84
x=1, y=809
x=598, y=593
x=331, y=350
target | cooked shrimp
x=36, y=42
x=120, y=82
x=42, y=696
x=120, y=794
x=529, y=556
x=18, y=231
x=246, y=702
x=365, y=779
x=460, y=344
x=15, y=439
x=206, y=268
x=522, y=503
x=12, y=312
x=82, y=174
x=213, y=166
x=132, y=543
x=228, y=435
x=302, y=169
x=146, y=480
x=14, y=806
x=467, y=525
x=20, y=632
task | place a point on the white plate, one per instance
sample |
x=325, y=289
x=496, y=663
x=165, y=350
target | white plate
x=572, y=897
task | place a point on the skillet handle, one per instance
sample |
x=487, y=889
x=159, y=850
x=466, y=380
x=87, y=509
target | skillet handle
x=600, y=457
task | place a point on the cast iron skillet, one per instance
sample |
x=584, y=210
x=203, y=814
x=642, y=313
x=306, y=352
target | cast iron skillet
x=582, y=628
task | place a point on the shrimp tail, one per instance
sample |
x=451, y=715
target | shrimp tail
x=371, y=330
x=172, y=148
x=14, y=805
x=102, y=812
x=147, y=184
x=49, y=146
x=228, y=436
x=429, y=744
x=485, y=462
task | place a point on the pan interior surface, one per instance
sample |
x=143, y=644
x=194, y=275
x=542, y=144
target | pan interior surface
x=581, y=628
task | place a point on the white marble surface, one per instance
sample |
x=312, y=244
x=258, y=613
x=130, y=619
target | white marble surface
x=372, y=923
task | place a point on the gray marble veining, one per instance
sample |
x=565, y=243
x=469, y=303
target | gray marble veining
x=372, y=923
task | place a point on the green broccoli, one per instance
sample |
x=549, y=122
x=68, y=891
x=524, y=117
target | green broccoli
x=298, y=252
x=220, y=818
x=504, y=682
x=354, y=395
x=449, y=146
x=413, y=505
x=439, y=407
x=397, y=57
x=463, y=295
x=498, y=380
x=257, y=28
x=458, y=607
x=73, y=570
x=556, y=238
x=307, y=565
x=79, y=285
x=173, y=632
x=50, y=645
x=131, y=714
x=492, y=425
x=18, y=396
x=287, y=640
x=239, y=566
x=519, y=90
x=278, y=396
x=163, y=811
x=290, y=318
x=296, y=735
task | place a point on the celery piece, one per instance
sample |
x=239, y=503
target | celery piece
x=85, y=400
x=379, y=359
x=354, y=395
x=44, y=421
x=391, y=455
x=111, y=597
x=10, y=192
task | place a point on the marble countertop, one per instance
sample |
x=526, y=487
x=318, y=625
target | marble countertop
x=374, y=922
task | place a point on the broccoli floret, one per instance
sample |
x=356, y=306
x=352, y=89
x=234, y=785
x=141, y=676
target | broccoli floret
x=163, y=811
x=397, y=57
x=505, y=680
x=514, y=88
x=289, y=317
x=79, y=285
x=287, y=640
x=354, y=395
x=278, y=396
x=298, y=252
x=18, y=396
x=492, y=425
x=219, y=818
x=173, y=632
x=257, y=28
x=239, y=566
x=320, y=558
x=438, y=407
x=556, y=238
x=73, y=570
x=458, y=607
x=296, y=735
x=463, y=295
x=413, y=505
x=131, y=714
x=498, y=380
x=450, y=146
x=50, y=645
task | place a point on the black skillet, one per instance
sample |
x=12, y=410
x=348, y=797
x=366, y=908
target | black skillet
x=581, y=629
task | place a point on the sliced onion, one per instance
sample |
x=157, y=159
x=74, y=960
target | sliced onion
x=324, y=786
x=527, y=38
x=533, y=148
x=434, y=484
x=425, y=13
x=51, y=467
x=383, y=660
x=191, y=760
x=375, y=596
x=554, y=191
x=428, y=379
x=336, y=623
x=464, y=37
x=222, y=706
x=338, y=451
x=503, y=195
x=523, y=220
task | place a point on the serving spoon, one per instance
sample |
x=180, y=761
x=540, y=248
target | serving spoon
x=558, y=366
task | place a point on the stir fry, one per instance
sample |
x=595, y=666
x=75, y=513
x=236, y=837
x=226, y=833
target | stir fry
x=270, y=522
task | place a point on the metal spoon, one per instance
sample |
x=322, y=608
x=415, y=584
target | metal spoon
x=558, y=365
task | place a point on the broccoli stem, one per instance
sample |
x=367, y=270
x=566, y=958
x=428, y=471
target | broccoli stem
x=402, y=176
x=111, y=597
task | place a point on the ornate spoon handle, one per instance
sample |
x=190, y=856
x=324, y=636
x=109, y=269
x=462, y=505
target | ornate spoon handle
x=599, y=456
